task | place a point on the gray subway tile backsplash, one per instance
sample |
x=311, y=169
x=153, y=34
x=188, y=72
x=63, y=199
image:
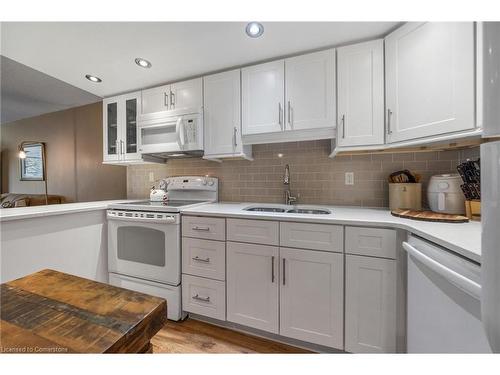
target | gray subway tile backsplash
x=315, y=178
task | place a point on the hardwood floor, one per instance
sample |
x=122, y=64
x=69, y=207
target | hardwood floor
x=192, y=336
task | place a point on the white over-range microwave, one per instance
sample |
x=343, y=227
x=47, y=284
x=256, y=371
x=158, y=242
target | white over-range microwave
x=171, y=133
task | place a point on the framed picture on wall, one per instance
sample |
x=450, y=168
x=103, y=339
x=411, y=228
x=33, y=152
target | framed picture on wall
x=33, y=162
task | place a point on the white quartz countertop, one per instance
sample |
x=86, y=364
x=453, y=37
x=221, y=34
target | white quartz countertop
x=16, y=213
x=462, y=238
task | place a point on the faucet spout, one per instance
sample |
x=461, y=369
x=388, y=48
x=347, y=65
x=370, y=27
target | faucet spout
x=286, y=178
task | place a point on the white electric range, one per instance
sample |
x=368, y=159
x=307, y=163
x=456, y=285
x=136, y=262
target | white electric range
x=144, y=240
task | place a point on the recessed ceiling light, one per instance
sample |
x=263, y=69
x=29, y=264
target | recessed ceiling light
x=143, y=63
x=93, y=78
x=254, y=29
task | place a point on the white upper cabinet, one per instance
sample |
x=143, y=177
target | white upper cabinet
x=430, y=80
x=311, y=296
x=111, y=132
x=310, y=91
x=252, y=285
x=180, y=95
x=156, y=99
x=186, y=94
x=263, y=90
x=120, y=128
x=360, y=88
x=222, y=110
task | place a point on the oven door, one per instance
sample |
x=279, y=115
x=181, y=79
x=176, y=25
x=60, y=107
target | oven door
x=145, y=245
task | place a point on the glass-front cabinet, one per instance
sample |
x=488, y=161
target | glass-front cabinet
x=120, y=129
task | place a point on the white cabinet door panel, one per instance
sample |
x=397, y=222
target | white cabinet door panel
x=253, y=231
x=310, y=91
x=430, y=79
x=375, y=242
x=370, y=314
x=204, y=258
x=222, y=113
x=156, y=99
x=263, y=88
x=186, y=94
x=360, y=87
x=209, y=228
x=312, y=296
x=252, y=285
x=324, y=237
x=204, y=296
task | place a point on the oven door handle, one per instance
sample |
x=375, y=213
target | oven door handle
x=167, y=220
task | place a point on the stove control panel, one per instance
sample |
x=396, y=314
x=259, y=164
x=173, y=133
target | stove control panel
x=206, y=183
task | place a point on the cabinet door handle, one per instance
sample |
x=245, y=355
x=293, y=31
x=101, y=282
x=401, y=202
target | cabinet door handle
x=205, y=229
x=280, y=113
x=117, y=147
x=389, y=114
x=272, y=269
x=289, y=114
x=284, y=265
x=198, y=259
x=172, y=99
x=122, y=147
x=235, y=142
x=343, y=126
x=203, y=299
x=165, y=99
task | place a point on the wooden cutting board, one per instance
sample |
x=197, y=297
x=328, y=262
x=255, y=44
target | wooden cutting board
x=429, y=216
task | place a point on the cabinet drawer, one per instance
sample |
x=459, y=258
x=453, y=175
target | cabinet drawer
x=374, y=242
x=204, y=258
x=204, y=227
x=204, y=296
x=253, y=231
x=324, y=237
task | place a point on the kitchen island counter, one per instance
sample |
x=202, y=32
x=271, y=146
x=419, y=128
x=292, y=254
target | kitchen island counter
x=17, y=213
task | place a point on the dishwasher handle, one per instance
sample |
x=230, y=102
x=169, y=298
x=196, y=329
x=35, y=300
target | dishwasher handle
x=467, y=285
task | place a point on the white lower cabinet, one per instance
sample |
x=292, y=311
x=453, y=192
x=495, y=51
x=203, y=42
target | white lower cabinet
x=204, y=296
x=370, y=311
x=296, y=292
x=311, y=296
x=252, y=285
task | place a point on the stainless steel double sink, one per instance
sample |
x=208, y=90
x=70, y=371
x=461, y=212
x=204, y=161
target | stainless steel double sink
x=288, y=209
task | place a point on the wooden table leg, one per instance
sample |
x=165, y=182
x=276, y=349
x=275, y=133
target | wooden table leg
x=147, y=349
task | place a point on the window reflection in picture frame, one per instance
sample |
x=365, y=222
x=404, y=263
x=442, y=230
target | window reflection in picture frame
x=33, y=164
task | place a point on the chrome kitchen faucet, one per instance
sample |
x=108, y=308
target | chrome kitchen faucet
x=289, y=199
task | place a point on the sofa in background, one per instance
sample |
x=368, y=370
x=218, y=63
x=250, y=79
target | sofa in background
x=8, y=200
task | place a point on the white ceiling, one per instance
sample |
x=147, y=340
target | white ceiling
x=26, y=92
x=177, y=50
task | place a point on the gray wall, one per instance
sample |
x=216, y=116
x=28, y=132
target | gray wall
x=73, y=140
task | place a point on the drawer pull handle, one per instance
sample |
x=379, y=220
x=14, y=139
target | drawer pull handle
x=205, y=229
x=203, y=299
x=198, y=259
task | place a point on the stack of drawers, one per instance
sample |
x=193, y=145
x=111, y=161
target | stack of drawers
x=204, y=266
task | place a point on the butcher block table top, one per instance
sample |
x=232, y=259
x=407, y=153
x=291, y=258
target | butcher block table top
x=53, y=312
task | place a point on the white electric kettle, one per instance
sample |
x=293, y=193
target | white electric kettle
x=445, y=195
